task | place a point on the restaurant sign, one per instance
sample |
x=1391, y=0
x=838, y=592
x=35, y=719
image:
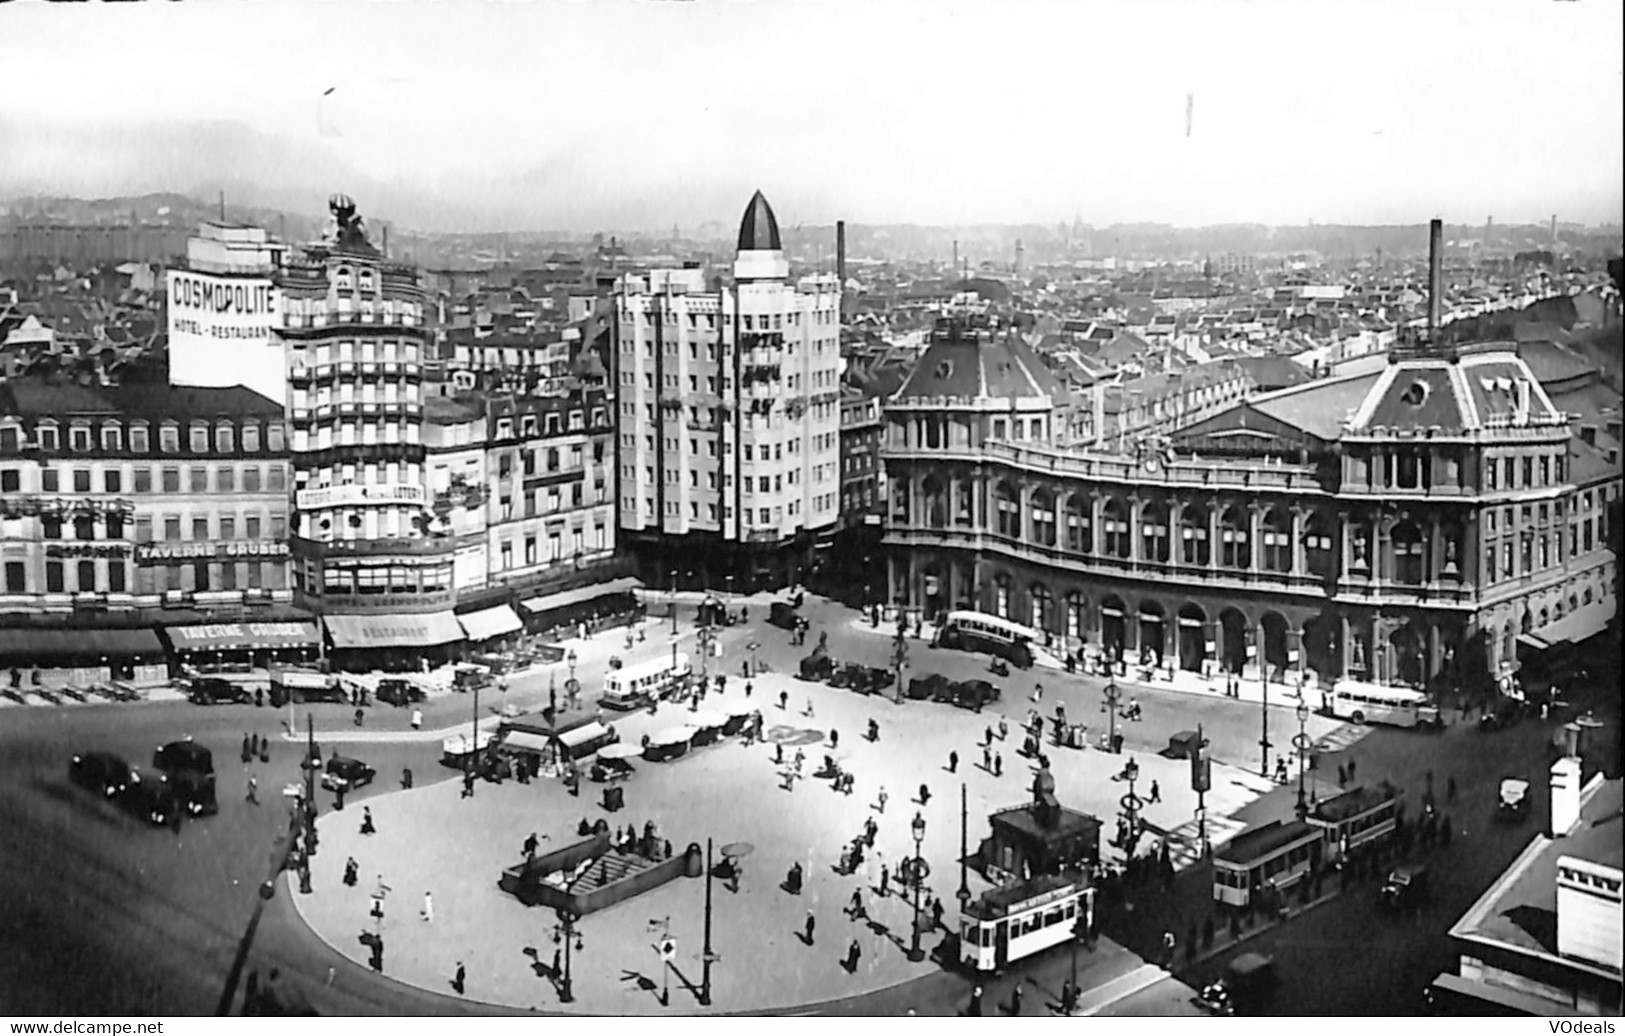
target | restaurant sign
x=242, y=632
x=204, y=550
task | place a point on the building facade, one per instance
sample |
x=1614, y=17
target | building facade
x=729, y=417
x=1367, y=528
x=362, y=538
x=142, y=497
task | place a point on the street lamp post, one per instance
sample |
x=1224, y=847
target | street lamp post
x=674, y=602
x=567, y=934
x=571, y=689
x=1131, y=809
x=1301, y=744
x=1264, y=717
x=915, y=953
x=1113, y=695
x=964, y=854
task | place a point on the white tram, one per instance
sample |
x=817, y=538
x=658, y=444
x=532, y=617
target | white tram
x=1017, y=921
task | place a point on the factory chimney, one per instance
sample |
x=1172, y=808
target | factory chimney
x=956, y=257
x=1554, y=230
x=1435, y=279
x=840, y=252
x=384, y=244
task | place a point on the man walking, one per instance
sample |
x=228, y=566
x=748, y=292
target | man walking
x=457, y=981
x=853, y=952
x=417, y=719
x=953, y=762
x=882, y=800
x=998, y=766
x=253, y=789
x=885, y=879
x=811, y=923
x=1156, y=792
x=530, y=847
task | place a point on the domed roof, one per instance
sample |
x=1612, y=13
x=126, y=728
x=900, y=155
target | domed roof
x=759, y=230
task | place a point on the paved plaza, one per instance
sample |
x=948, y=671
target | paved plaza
x=432, y=840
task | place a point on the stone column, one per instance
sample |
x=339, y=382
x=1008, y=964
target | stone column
x=1298, y=525
x=1214, y=547
x=1345, y=646
x=1255, y=537
x=1435, y=559
x=1176, y=544
x=1096, y=536
x=1435, y=654
x=1136, y=509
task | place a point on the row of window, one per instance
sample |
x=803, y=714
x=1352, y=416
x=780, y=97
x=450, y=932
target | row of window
x=1500, y=473
x=532, y=502
x=369, y=349
x=113, y=577
x=83, y=437
x=747, y=321
x=554, y=459
x=764, y=515
x=202, y=527
x=553, y=424
x=394, y=579
x=555, y=546
x=792, y=382
x=226, y=478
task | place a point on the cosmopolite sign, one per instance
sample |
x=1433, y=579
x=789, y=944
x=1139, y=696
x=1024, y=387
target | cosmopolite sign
x=229, y=550
x=222, y=307
x=350, y=496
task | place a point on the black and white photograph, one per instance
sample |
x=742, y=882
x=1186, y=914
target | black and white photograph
x=716, y=509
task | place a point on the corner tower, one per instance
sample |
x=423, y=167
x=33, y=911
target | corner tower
x=761, y=252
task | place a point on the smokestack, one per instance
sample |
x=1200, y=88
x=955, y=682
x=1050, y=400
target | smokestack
x=385, y=241
x=1554, y=230
x=1435, y=278
x=223, y=213
x=840, y=252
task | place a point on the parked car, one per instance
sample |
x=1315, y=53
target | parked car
x=1513, y=804
x=970, y=694
x=399, y=693
x=184, y=754
x=192, y=792
x=819, y=666
x=1406, y=887
x=928, y=687
x=103, y=772
x=1247, y=985
x=211, y=690
x=783, y=615
x=149, y=801
x=348, y=774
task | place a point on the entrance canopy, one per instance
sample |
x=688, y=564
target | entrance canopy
x=580, y=595
x=391, y=631
x=490, y=622
x=1578, y=625
x=244, y=636
x=30, y=644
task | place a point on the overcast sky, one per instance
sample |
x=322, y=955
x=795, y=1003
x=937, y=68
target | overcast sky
x=652, y=112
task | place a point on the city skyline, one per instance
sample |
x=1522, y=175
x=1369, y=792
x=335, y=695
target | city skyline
x=427, y=123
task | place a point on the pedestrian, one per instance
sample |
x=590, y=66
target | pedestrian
x=248, y=750
x=989, y=738
x=360, y=717
x=953, y=762
x=882, y=800
x=1015, y=993
x=998, y=766
x=253, y=789
x=458, y=979
x=366, y=821
x=265, y=749
x=987, y=758
x=428, y=907
x=1038, y=692
x=834, y=739
x=885, y=879
x=530, y=847
x=808, y=927
x=855, y=908
x=1004, y=728
x=1156, y=792
x=351, y=872
x=778, y=753
x=936, y=912
x=784, y=698
x=925, y=795
x=853, y=952
x=417, y=719
x=1168, y=943
x=974, y=1008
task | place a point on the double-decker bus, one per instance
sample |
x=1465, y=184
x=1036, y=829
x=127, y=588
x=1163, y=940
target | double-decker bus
x=1374, y=703
x=979, y=631
x=1016, y=921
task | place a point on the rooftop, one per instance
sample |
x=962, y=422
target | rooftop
x=30, y=397
x=1259, y=842
x=1317, y=407
x=759, y=229
x=1355, y=801
x=1519, y=912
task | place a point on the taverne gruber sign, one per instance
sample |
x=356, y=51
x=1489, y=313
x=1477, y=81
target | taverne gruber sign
x=242, y=632
x=229, y=550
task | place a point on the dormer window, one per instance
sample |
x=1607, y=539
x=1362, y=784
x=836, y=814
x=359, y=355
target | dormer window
x=366, y=281
x=138, y=439
x=945, y=370
x=199, y=440
x=342, y=279
x=112, y=438
x=1416, y=394
x=251, y=438
x=224, y=438
x=49, y=438
x=79, y=438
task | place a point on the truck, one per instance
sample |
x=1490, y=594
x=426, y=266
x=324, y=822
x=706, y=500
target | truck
x=299, y=684
x=1245, y=988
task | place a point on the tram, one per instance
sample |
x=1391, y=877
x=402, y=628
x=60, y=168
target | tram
x=1265, y=859
x=1016, y=921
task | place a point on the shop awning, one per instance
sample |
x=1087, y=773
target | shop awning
x=244, y=636
x=490, y=622
x=524, y=741
x=21, y=645
x=1577, y=625
x=390, y=631
x=582, y=734
x=580, y=595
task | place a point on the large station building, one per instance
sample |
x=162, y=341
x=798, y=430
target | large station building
x=1403, y=527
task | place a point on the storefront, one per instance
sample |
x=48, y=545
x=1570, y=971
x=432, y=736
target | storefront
x=489, y=628
x=568, y=608
x=393, y=643
x=55, y=656
x=216, y=647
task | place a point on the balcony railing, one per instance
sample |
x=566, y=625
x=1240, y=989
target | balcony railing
x=1293, y=478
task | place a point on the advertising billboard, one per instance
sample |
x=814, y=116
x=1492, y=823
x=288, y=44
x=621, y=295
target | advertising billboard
x=222, y=332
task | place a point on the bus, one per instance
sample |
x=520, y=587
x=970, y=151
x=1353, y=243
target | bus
x=1374, y=703
x=979, y=631
x=637, y=686
x=1016, y=921
x=1266, y=860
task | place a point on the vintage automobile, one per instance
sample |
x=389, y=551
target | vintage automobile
x=347, y=774
x=868, y=679
x=1514, y=801
x=819, y=666
x=192, y=792
x=149, y=801
x=1246, y=986
x=783, y=615
x=184, y=754
x=969, y=694
x=102, y=772
x=399, y=693
x=211, y=690
x=1406, y=887
x=930, y=687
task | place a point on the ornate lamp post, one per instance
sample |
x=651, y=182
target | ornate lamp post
x=565, y=932
x=1131, y=804
x=1264, y=743
x=674, y=602
x=915, y=953
x=1301, y=743
x=1114, y=694
x=964, y=856
x=572, y=688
